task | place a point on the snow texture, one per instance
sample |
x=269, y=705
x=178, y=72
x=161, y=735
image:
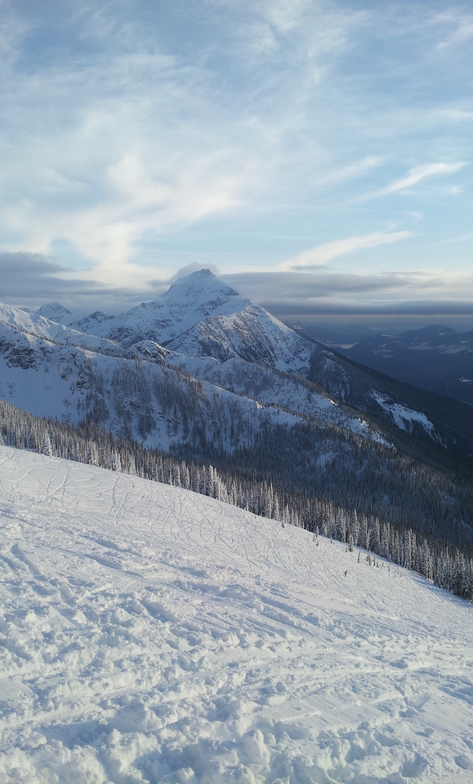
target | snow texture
x=149, y=634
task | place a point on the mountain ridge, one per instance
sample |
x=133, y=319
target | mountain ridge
x=205, y=328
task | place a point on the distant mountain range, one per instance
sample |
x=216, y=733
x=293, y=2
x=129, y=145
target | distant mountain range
x=204, y=366
x=436, y=358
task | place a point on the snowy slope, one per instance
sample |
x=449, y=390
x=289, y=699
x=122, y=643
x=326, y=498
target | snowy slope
x=158, y=405
x=153, y=635
x=404, y=417
x=19, y=322
x=290, y=392
x=252, y=335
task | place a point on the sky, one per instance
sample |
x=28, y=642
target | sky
x=317, y=155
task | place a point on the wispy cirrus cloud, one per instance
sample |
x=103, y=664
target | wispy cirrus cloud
x=324, y=253
x=352, y=171
x=459, y=28
x=416, y=175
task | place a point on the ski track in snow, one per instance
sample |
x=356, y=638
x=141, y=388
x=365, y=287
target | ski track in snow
x=149, y=634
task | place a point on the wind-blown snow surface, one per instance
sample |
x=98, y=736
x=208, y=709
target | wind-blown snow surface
x=153, y=635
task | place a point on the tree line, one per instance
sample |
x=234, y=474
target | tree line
x=289, y=499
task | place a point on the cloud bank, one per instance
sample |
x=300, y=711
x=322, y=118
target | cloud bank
x=286, y=294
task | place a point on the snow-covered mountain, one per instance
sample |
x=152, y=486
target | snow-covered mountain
x=142, y=392
x=149, y=634
x=54, y=311
x=17, y=321
x=228, y=345
x=200, y=315
x=138, y=388
x=188, y=301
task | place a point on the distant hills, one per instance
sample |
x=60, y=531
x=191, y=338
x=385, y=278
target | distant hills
x=435, y=358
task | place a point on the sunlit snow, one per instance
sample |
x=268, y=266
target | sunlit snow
x=150, y=634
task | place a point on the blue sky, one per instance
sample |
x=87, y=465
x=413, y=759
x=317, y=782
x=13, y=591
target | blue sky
x=318, y=155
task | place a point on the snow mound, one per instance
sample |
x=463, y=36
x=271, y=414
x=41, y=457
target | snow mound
x=153, y=635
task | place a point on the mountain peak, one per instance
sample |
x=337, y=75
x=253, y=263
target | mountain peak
x=202, y=284
x=54, y=311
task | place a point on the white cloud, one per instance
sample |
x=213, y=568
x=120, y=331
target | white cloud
x=462, y=32
x=352, y=171
x=136, y=140
x=416, y=175
x=110, y=165
x=313, y=29
x=119, y=136
x=194, y=267
x=330, y=250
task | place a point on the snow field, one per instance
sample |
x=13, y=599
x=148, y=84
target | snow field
x=149, y=634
